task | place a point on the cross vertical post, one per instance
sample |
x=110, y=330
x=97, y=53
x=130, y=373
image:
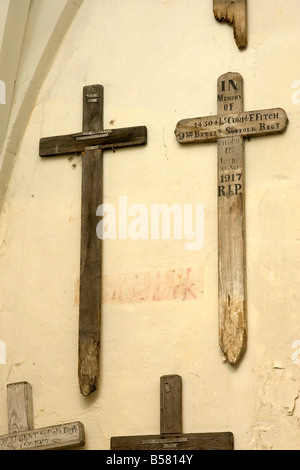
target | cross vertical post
x=229, y=129
x=91, y=142
x=231, y=226
x=171, y=436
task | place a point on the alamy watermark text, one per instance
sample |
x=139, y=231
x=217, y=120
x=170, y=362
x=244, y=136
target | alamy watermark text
x=160, y=222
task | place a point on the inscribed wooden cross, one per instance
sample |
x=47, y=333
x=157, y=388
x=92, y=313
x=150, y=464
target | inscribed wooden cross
x=229, y=128
x=171, y=436
x=91, y=142
x=234, y=13
x=23, y=436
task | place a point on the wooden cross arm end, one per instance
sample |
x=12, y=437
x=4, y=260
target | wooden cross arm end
x=243, y=124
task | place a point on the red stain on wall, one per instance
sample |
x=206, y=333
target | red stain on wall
x=154, y=286
x=179, y=284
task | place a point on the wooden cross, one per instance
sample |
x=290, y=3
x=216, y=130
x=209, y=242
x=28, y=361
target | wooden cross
x=91, y=142
x=23, y=436
x=234, y=13
x=228, y=129
x=171, y=436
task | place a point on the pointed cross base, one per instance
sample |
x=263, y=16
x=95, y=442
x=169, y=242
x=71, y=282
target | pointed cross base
x=23, y=436
x=171, y=437
x=234, y=13
x=229, y=129
x=91, y=142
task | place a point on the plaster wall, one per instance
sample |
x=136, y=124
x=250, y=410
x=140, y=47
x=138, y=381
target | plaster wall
x=159, y=62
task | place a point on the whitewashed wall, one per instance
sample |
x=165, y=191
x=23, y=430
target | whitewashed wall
x=159, y=62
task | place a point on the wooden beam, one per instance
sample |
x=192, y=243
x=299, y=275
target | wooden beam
x=19, y=407
x=91, y=248
x=243, y=124
x=23, y=436
x=10, y=53
x=171, y=404
x=231, y=232
x=171, y=436
x=229, y=128
x=91, y=142
x=104, y=139
x=234, y=13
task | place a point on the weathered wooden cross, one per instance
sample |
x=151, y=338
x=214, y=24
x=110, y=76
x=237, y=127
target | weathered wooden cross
x=91, y=142
x=171, y=436
x=234, y=13
x=229, y=128
x=23, y=436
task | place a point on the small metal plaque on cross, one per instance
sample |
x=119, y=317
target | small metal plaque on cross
x=23, y=436
x=171, y=436
x=91, y=142
x=229, y=129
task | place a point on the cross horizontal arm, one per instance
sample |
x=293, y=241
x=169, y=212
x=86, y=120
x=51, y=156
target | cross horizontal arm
x=206, y=441
x=244, y=124
x=106, y=139
x=63, y=436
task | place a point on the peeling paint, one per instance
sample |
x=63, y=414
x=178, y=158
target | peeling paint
x=277, y=401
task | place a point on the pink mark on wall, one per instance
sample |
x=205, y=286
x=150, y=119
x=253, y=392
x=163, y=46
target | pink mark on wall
x=181, y=284
x=154, y=286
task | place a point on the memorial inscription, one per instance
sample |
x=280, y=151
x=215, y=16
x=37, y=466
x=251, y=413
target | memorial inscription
x=229, y=128
x=91, y=142
x=248, y=124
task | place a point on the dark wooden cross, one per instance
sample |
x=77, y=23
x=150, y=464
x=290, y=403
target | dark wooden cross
x=23, y=436
x=229, y=129
x=171, y=436
x=234, y=13
x=91, y=142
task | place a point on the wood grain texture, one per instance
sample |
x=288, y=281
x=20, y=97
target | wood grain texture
x=241, y=124
x=19, y=407
x=231, y=230
x=63, y=436
x=229, y=128
x=171, y=437
x=23, y=436
x=171, y=404
x=91, y=142
x=234, y=13
x=205, y=441
x=91, y=248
